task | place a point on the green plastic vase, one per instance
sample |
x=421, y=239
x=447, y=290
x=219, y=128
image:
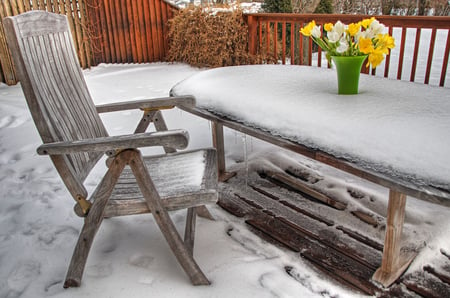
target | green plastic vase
x=348, y=69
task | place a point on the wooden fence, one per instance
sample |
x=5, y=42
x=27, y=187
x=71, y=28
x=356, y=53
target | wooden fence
x=279, y=34
x=135, y=31
x=109, y=31
x=78, y=14
x=132, y=31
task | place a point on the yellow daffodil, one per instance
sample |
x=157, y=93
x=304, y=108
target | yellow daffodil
x=366, y=45
x=353, y=28
x=366, y=22
x=386, y=41
x=328, y=27
x=375, y=58
x=307, y=30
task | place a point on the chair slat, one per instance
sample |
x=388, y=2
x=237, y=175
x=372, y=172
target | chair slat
x=55, y=86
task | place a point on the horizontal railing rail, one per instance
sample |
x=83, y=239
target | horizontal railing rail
x=422, y=43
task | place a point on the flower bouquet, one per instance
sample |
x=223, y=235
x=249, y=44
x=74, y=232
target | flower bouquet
x=366, y=37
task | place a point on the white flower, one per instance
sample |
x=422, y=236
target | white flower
x=376, y=28
x=339, y=27
x=316, y=32
x=343, y=46
x=333, y=36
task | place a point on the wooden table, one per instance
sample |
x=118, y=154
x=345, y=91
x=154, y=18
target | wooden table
x=393, y=133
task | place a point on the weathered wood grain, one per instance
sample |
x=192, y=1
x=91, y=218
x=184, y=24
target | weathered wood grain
x=75, y=138
x=175, y=139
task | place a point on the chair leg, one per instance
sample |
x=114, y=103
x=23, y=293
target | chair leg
x=92, y=223
x=163, y=220
x=189, y=232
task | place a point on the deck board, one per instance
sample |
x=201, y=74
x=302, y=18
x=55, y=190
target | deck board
x=286, y=217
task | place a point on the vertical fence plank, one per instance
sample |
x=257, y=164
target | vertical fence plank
x=27, y=5
x=388, y=57
x=155, y=42
x=292, y=42
x=20, y=6
x=108, y=37
x=137, y=30
x=131, y=30
x=283, y=42
x=103, y=35
x=148, y=30
x=402, y=54
x=159, y=26
x=143, y=29
x=119, y=15
x=165, y=44
x=6, y=64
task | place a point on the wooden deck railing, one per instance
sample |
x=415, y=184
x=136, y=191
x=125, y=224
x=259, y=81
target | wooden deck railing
x=123, y=31
x=278, y=34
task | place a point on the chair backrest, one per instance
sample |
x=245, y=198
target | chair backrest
x=54, y=87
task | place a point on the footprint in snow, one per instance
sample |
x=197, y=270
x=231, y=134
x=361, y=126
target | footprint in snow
x=11, y=121
x=141, y=261
x=22, y=276
x=99, y=270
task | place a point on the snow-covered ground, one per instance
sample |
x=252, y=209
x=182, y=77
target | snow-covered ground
x=130, y=258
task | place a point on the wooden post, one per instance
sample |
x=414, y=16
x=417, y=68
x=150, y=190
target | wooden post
x=392, y=265
x=252, y=34
x=218, y=143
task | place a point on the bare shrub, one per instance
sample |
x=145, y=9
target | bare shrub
x=209, y=39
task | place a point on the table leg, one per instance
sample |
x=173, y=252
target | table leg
x=218, y=142
x=393, y=264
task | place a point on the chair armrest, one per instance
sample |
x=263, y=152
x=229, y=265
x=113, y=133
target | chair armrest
x=177, y=139
x=148, y=104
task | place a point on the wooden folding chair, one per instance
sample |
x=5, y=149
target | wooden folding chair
x=75, y=139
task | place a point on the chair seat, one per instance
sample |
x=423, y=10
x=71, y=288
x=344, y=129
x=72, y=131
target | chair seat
x=182, y=180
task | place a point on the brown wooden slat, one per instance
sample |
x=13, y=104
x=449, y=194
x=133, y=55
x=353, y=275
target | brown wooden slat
x=143, y=29
x=443, y=277
x=426, y=285
x=148, y=30
x=292, y=42
x=164, y=28
x=27, y=5
x=135, y=33
x=283, y=42
x=131, y=28
x=298, y=185
x=402, y=54
x=6, y=64
x=275, y=41
x=292, y=206
x=361, y=238
x=430, y=56
x=159, y=25
x=20, y=6
x=155, y=36
x=334, y=264
x=387, y=62
x=114, y=35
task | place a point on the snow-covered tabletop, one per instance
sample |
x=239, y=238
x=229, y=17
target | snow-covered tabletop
x=394, y=127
